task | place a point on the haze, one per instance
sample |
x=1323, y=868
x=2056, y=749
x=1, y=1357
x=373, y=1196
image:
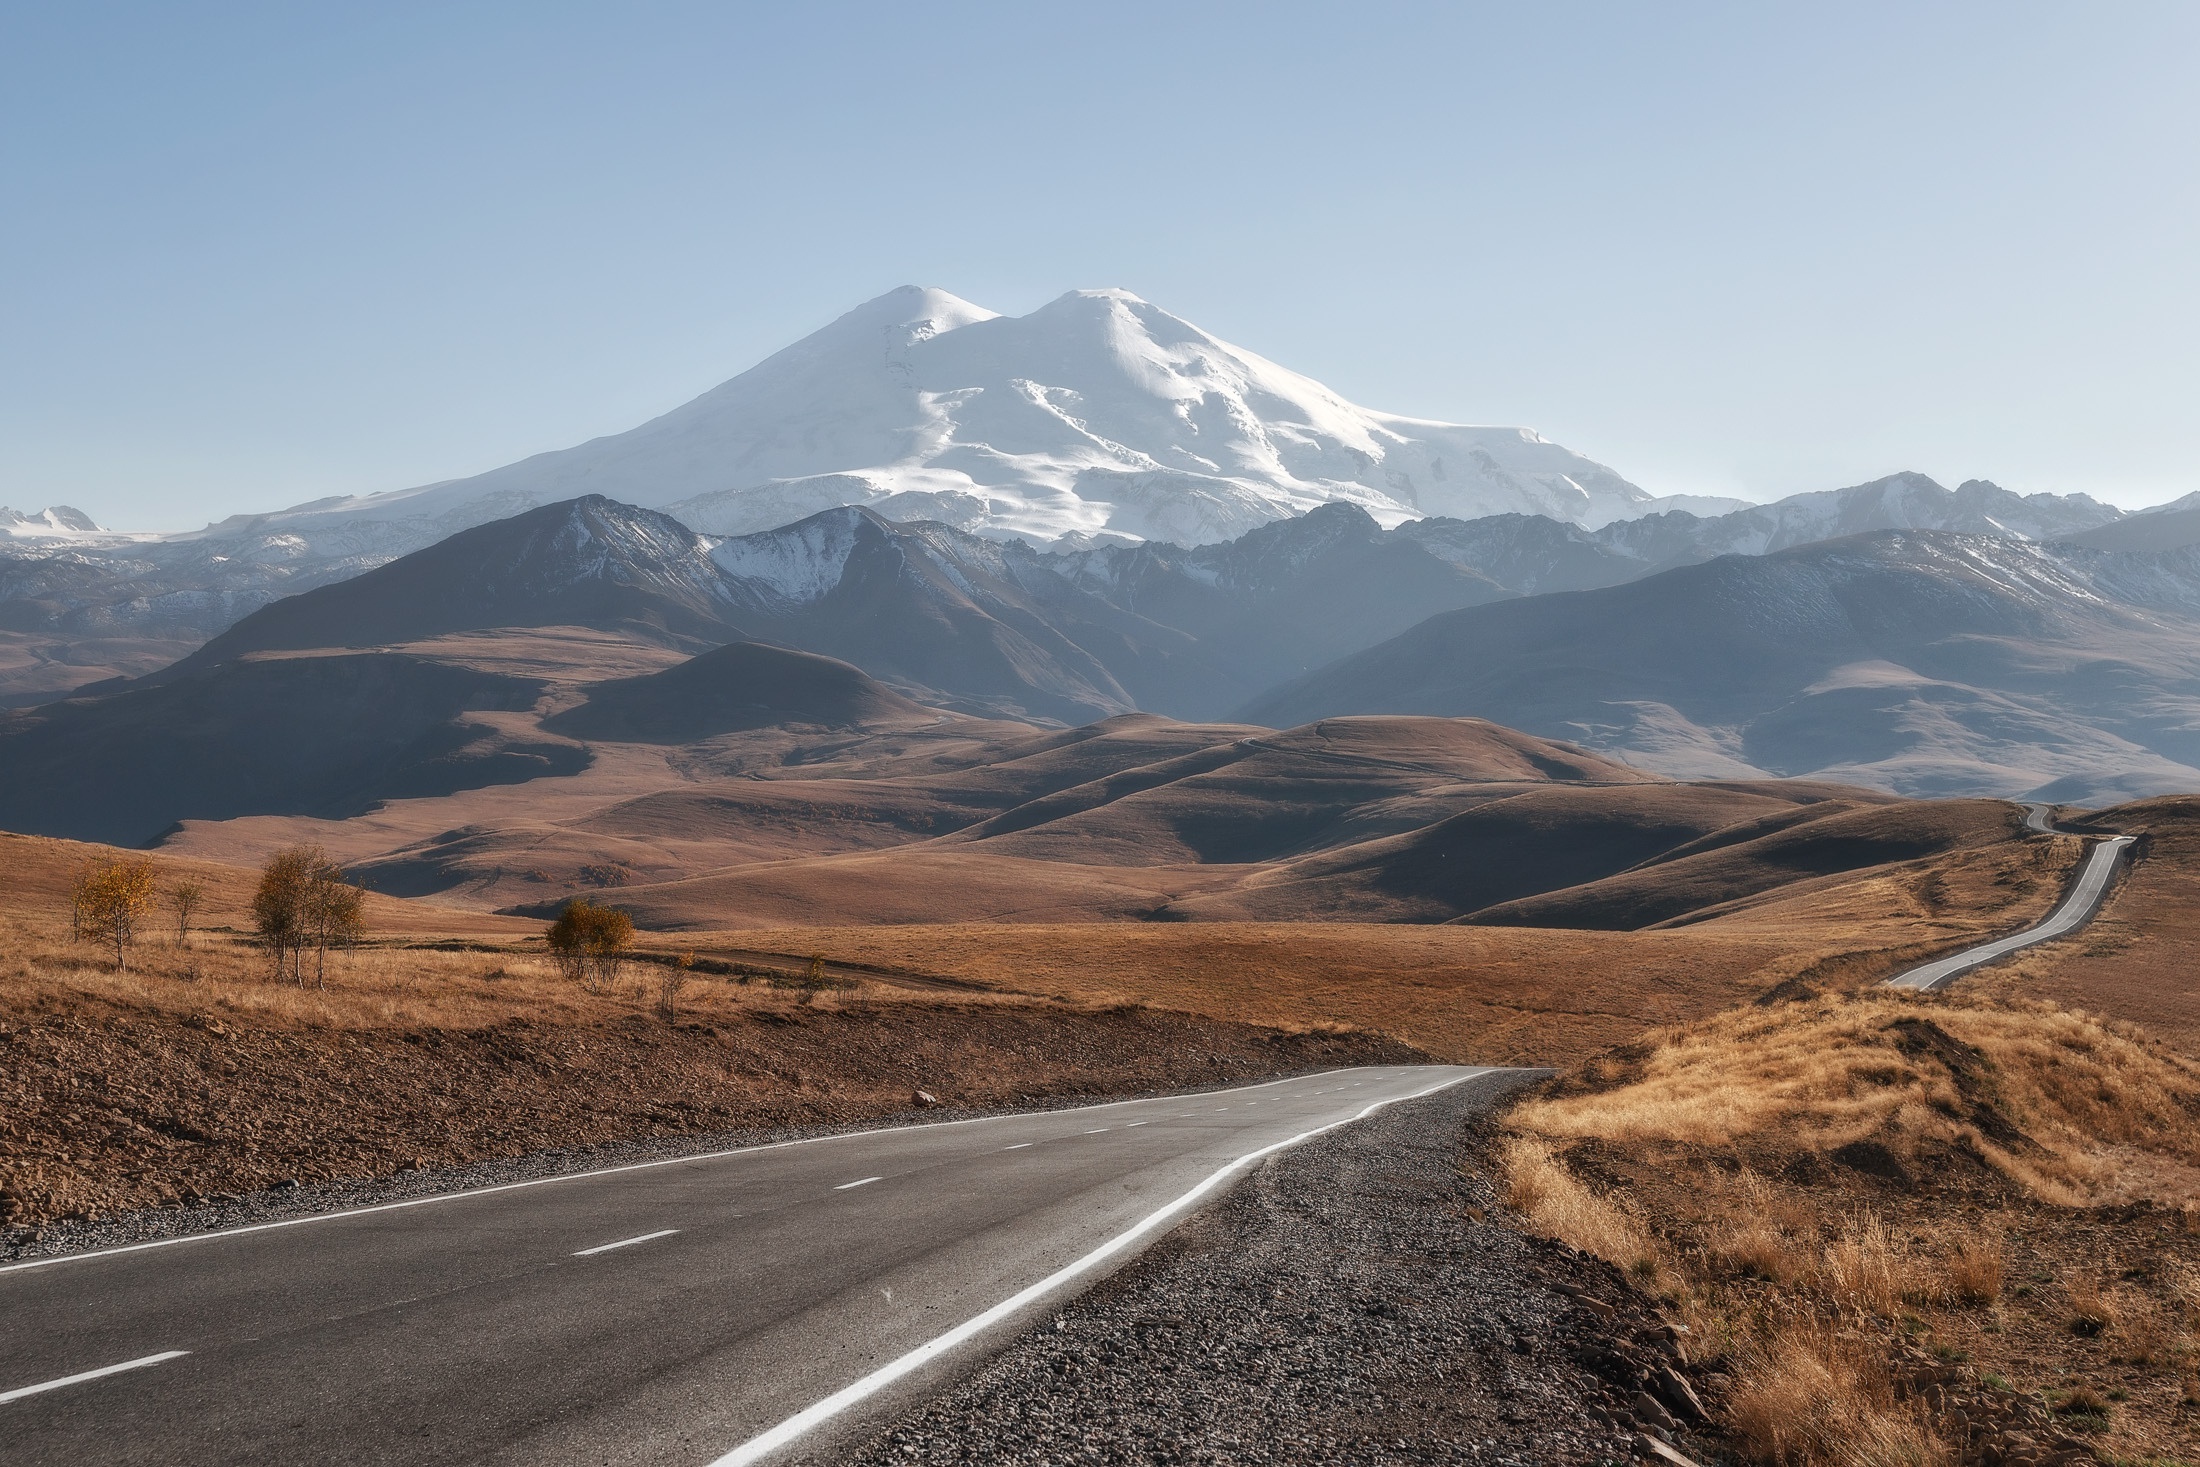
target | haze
x=258, y=255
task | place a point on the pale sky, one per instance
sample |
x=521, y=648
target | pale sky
x=254, y=255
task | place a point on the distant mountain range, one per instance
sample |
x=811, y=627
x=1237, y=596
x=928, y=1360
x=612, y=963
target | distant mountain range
x=1915, y=661
x=75, y=612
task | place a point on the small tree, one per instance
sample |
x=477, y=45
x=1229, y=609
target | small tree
x=589, y=943
x=332, y=914
x=279, y=906
x=112, y=899
x=183, y=899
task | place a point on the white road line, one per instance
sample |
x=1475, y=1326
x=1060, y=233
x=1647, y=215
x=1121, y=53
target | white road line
x=84, y=1375
x=626, y=1242
x=1098, y=1129
x=608, y=1171
x=1134, y=1125
x=858, y=1182
x=758, y=1447
x=1017, y=1147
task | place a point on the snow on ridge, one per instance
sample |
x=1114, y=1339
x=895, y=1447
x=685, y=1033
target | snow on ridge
x=54, y=522
x=797, y=564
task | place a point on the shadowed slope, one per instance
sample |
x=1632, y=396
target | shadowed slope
x=732, y=689
x=1691, y=882
x=318, y=735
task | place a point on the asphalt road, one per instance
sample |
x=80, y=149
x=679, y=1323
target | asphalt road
x=750, y=1305
x=2076, y=909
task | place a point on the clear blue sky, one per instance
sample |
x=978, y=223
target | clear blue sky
x=257, y=254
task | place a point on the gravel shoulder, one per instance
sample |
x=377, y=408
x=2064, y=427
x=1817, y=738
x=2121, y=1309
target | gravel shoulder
x=1358, y=1299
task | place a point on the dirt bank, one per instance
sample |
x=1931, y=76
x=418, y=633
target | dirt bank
x=108, y=1110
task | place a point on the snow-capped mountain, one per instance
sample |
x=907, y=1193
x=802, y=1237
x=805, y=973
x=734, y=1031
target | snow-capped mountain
x=1098, y=415
x=55, y=521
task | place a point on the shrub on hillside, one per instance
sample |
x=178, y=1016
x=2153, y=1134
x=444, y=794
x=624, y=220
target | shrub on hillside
x=589, y=944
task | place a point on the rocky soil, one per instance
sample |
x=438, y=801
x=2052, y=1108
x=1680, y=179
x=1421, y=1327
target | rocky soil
x=124, y=1111
x=1357, y=1300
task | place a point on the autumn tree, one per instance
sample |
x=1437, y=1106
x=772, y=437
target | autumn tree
x=279, y=905
x=332, y=914
x=183, y=900
x=112, y=899
x=589, y=944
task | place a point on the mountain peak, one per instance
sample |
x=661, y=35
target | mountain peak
x=53, y=520
x=1097, y=415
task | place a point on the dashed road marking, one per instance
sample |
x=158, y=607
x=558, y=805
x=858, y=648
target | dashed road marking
x=626, y=1242
x=858, y=1182
x=84, y=1375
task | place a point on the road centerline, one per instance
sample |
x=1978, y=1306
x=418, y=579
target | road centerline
x=84, y=1375
x=626, y=1243
x=858, y=1182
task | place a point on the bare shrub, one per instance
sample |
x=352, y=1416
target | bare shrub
x=671, y=982
x=183, y=900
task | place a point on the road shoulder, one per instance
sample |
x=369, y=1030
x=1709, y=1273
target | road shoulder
x=1358, y=1299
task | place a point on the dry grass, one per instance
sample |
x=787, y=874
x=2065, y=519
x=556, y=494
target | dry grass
x=2092, y=1312
x=1863, y=1269
x=384, y=986
x=1806, y=1396
x=1556, y=1204
x=2056, y=1101
x=1978, y=1268
x=1839, y=1191
x=1470, y=994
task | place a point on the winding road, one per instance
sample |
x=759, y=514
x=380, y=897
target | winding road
x=2074, y=911
x=738, y=1307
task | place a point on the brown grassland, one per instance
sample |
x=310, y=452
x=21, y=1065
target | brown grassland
x=449, y=1037
x=1899, y=1228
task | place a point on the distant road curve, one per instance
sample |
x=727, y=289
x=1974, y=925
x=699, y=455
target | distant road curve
x=2077, y=909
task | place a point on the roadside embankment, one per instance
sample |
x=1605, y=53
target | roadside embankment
x=158, y=1088
x=1917, y=1228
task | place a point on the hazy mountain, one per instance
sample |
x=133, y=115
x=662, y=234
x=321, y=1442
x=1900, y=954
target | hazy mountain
x=2165, y=527
x=1924, y=663
x=951, y=618
x=590, y=562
